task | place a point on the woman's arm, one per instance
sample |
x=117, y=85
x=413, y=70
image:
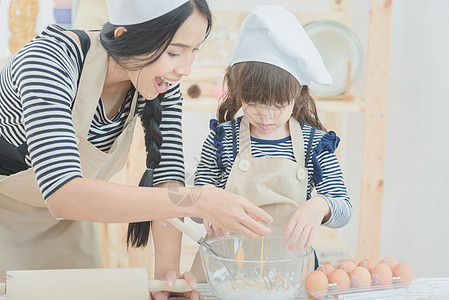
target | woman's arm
x=96, y=200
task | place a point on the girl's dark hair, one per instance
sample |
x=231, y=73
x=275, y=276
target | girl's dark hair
x=130, y=50
x=266, y=84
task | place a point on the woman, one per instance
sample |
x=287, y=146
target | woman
x=60, y=144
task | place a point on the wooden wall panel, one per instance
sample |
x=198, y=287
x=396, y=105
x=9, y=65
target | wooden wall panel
x=375, y=128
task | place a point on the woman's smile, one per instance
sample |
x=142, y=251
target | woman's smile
x=162, y=84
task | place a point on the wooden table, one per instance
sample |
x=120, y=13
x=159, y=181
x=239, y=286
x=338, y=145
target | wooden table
x=421, y=288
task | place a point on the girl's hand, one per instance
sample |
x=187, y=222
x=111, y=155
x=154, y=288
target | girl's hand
x=232, y=212
x=305, y=222
x=219, y=232
x=170, y=279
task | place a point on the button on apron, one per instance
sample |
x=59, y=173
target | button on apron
x=244, y=165
x=301, y=174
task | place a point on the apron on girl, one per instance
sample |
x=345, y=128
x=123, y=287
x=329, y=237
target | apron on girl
x=30, y=237
x=278, y=185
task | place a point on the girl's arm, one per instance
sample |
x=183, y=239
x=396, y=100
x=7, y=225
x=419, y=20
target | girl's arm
x=207, y=171
x=331, y=206
x=332, y=186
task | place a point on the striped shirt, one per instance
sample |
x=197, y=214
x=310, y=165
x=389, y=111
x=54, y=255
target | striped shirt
x=331, y=187
x=37, y=92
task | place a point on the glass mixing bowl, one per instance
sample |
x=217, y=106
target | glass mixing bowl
x=242, y=274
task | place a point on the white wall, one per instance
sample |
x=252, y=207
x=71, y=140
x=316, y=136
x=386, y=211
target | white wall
x=414, y=205
x=415, y=223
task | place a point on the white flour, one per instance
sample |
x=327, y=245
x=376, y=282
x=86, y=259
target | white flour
x=225, y=291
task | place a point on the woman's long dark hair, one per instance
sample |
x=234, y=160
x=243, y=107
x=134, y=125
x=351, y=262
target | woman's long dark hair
x=130, y=51
x=266, y=84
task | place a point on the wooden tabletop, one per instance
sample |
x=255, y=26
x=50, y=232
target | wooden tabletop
x=421, y=288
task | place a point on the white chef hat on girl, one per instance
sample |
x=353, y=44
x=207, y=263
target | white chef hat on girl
x=273, y=35
x=128, y=12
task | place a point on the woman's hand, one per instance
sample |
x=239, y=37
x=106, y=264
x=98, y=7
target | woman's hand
x=170, y=279
x=305, y=222
x=219, y=232
x=232, y=212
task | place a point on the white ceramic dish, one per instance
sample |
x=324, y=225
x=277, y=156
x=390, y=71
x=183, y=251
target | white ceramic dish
x=338, y=45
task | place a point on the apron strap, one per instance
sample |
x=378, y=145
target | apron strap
x=309, y=145
x=85, y=45
x=84, y=40
x=234, y=140
x=12, y=158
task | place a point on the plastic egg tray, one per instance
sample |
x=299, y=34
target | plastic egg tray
x=397, y=287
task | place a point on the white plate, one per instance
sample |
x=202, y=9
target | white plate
x=338, y=45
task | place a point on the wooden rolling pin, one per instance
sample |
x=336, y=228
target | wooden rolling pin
x=86, y=284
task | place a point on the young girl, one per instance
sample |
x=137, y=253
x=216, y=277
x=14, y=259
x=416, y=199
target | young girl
x=278, y=151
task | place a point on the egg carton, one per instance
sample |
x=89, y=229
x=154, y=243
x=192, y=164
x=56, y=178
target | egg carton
x=434, y=288
x=397, y=288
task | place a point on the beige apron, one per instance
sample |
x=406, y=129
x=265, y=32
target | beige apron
x=30, y=237
x=278, y=185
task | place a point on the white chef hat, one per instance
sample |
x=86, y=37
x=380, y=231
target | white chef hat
x=271, y=34
x=128, y=12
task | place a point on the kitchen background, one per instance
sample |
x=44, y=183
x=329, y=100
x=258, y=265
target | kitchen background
x=414, y=205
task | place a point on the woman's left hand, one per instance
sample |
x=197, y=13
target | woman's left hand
x=305, y=222
x=170, y=279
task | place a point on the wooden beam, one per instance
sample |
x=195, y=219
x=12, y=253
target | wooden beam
x=375, y=129
x=339, y=5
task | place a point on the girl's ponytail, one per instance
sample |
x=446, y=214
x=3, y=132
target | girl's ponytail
x=229, y=105
x=305, y=110
x=138, y=233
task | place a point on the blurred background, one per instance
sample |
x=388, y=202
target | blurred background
x=390, y=116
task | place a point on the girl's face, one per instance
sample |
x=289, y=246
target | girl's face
x=268, y=122
x=175, y=62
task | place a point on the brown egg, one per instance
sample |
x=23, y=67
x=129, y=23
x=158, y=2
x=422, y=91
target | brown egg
x=390, y=261
x=316, y=282
x=340, y=278
x=404, y=271
x=382, y=274
x=360, y=277
x=367, y=263
x=326, y=269
x=347, y=266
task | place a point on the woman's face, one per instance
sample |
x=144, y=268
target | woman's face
x=175, y=62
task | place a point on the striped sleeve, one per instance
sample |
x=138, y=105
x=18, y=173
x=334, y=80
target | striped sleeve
x=45, y=75
x=207, y=171
x=332, y=187
x=171, y=167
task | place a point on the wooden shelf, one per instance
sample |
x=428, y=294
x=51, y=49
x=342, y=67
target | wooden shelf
x=206, y=104
x=200, y=104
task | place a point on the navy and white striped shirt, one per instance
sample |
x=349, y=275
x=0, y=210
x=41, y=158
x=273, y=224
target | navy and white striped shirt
x=215, y=165
x=37, y=92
